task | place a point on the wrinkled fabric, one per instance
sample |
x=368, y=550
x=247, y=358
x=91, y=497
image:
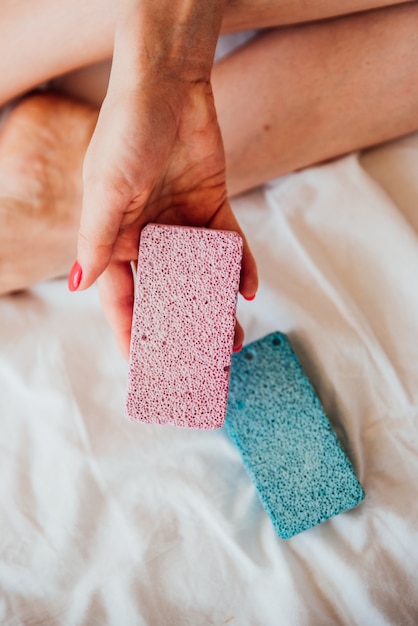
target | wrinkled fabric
x=103, y=521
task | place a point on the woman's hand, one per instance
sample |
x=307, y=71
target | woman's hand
x=156, y=156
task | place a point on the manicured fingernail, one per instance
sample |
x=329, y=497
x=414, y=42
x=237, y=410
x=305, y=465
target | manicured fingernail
x=75, y=277
x=238, y=348
x=249, y=297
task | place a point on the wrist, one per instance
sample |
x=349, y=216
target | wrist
x=171, y=38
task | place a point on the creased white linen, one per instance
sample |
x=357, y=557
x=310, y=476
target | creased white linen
x=107, y=522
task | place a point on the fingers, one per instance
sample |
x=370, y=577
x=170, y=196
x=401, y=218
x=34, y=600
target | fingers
x=101, y=217
x=225, y=219
x=116, y=287
x=249, y=276
x=109, y=172
x=239, y=337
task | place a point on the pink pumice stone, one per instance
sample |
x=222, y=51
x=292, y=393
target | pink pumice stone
x=183, y=326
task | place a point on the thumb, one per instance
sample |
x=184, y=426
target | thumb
x=101, y=217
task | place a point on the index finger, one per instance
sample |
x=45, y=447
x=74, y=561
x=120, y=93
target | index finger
x=116, y=288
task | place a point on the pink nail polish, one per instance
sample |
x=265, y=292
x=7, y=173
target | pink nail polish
x=249, y=297
x=75, y=277
x=238, y=348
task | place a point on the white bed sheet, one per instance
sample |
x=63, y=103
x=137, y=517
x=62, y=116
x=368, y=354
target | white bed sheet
x=107, y=522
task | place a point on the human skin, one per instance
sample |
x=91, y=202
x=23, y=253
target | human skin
x=81, y=33
x=156, y=154
x=282, y=101
x=312, y=92
x=276, y=146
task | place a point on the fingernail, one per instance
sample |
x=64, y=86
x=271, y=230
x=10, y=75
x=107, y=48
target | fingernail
x=75, y=277
x=249, y=297
x=238, y=348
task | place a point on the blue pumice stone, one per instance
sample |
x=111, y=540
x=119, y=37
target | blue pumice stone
x=287, y=444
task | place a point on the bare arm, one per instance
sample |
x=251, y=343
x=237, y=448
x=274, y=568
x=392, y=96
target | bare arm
x=156, y=154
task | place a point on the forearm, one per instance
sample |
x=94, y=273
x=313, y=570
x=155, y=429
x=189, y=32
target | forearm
x=168, y=39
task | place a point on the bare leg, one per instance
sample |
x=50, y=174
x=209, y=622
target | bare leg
x=256, y=14
x=42, y=148
x=298, y=95
x=51, y=38
x=290, y=98
x=48, y=38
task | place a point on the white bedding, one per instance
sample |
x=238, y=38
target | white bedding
x=107, y=522
x=104, y=521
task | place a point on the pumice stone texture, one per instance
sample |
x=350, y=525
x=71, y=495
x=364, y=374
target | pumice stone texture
x=287, y=443
x=183, y=325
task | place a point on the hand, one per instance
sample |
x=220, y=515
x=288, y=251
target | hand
x=156, y=156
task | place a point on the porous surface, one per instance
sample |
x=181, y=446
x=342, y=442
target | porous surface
x=287, y=443
x=183, y=325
